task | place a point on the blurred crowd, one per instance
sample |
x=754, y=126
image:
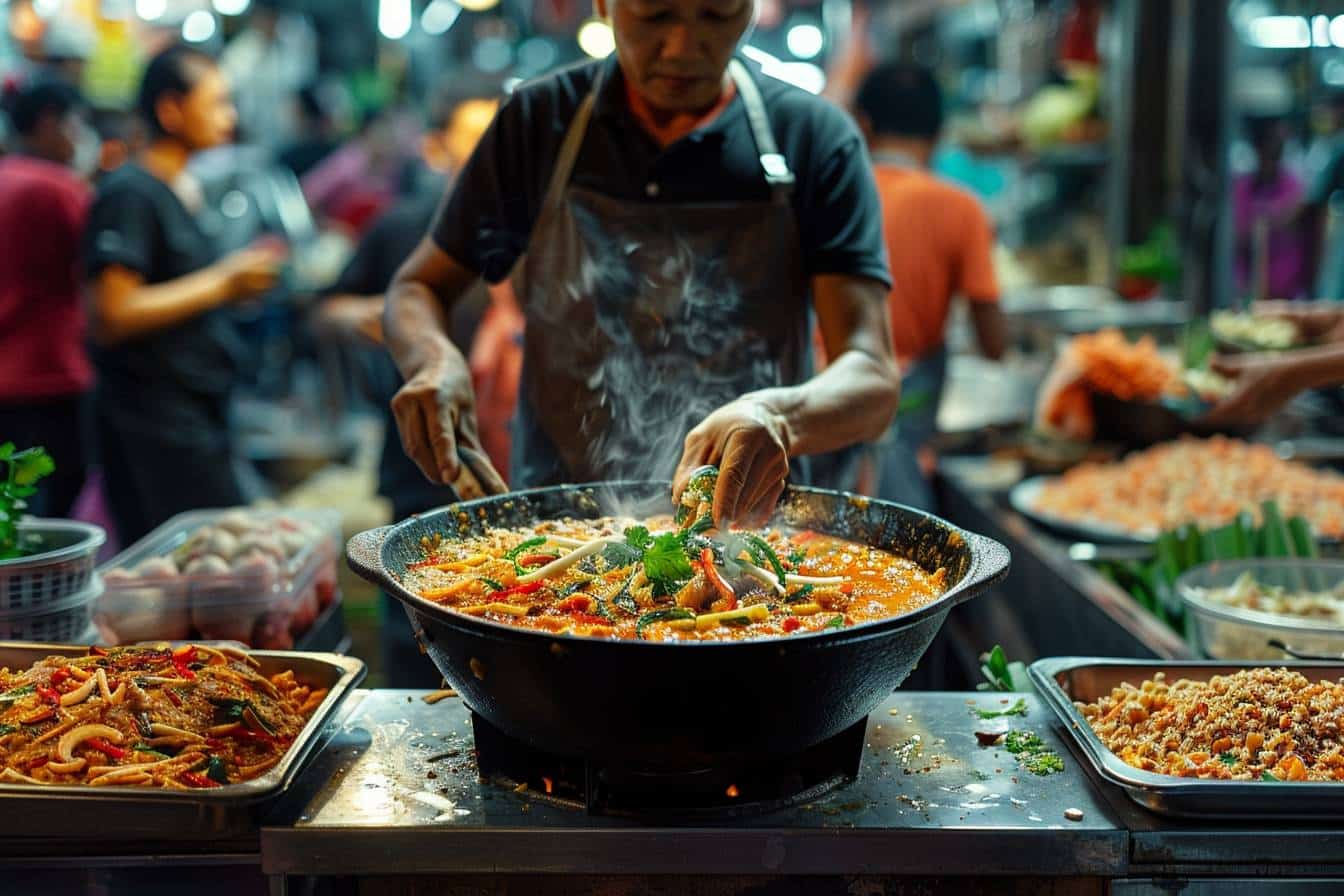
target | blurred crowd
x=242, y=218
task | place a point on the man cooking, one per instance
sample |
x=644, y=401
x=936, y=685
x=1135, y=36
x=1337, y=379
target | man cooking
x=670, y=220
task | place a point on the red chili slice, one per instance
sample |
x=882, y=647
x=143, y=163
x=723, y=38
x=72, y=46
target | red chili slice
x=48, y=695
x=792, y=624
x=537, y=559
x=102, y=746
x=529, y=588
x=191, y=779
x=172, y=696
x=59, y=676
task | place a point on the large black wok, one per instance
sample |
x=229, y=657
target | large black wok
x=678, y=704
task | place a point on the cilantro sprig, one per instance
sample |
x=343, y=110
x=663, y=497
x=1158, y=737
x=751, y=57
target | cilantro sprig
x=24, y=469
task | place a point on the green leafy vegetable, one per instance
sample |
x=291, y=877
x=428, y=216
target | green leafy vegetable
x=638, y=537
x=1001, y=675
x=1017, y=709
x=1023, y=742
x=1268, y=776
x=7, y=729
x=797, y=556
x=492, y=584
x=764, y=555
x=1228, y=759
x=513, y=554
x=215, y=771
x=17, y=693
x=1046, y=763
x=837, y=622
x=619, y=556
x=801, y=594
x=151, y=751
x=666, y=566
x=664, y=615
x=1032, y=753
x=25, y=468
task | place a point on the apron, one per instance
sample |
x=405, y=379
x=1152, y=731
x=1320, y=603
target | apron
x=643, y=318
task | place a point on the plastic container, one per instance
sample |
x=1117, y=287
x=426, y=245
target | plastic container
x=66, y=622
x=63, y=568
x=1225, y=632
x=259, y=577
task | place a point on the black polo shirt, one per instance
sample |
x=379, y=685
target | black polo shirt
x=488, y=217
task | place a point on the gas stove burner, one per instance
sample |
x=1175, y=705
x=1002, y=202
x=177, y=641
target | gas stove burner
x=730, y=790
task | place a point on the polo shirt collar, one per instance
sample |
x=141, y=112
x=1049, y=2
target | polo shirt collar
x=611, y=104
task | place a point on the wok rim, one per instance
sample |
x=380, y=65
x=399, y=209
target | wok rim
x=978, y=578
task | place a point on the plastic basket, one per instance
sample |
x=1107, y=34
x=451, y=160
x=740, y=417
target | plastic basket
x=68, y=622
x=42, y=581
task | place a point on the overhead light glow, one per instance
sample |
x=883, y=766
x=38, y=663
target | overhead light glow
x=1280, y=32
x=596, y=39
x=537, y=54
x=805, y=41
x=151, y=10
x=394, y=18
x=232, y=7
x=479, y=5
x=1336, y=31
x=198, y=27
x=1333, y=73
x=439, y=16
x=492, y=54
x=47, y=9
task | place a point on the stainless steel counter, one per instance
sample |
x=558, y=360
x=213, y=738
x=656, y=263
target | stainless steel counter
x=401, y=796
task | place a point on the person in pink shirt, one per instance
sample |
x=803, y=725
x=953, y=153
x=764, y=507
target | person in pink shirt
x=45, y=371
x=1267, y=204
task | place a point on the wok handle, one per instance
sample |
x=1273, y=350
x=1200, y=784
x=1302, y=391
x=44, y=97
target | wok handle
x=364, y=554
x=992, y=561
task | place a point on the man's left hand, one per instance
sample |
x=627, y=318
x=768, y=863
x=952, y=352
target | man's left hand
x=749, y=442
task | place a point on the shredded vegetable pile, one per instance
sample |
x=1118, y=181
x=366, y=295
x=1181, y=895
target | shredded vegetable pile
x=1206, y=482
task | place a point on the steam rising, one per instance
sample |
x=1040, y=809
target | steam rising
x=669, y=345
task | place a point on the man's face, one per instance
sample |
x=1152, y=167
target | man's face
x=674, y=52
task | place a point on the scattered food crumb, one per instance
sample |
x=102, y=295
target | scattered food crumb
x=521, y=788
x=431, y=775
x=1073, y=814
x=893, y=712
x=435, y=696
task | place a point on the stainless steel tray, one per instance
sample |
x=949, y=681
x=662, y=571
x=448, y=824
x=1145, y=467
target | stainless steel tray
x=104, y=813
x=1062, y=680
x=1023, y=499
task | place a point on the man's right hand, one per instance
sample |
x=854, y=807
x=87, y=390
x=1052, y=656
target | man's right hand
x=252, y=271
x=435, y=413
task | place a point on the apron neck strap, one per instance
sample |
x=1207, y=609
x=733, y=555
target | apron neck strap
x=569, y=150
x=773, y=163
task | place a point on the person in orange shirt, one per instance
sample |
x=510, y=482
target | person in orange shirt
x=939, y=241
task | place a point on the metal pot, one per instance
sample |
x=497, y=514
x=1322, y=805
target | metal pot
x=678, y=704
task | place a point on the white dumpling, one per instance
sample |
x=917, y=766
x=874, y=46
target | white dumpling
x=236, y=522
x=157, y=567
x=208, y=565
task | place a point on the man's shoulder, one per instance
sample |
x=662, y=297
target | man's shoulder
x=556, y=93
x=791, y=107
x=36, y=175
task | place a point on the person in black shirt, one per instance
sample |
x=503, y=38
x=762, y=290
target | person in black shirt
x=672, y=222
x=164, y=350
